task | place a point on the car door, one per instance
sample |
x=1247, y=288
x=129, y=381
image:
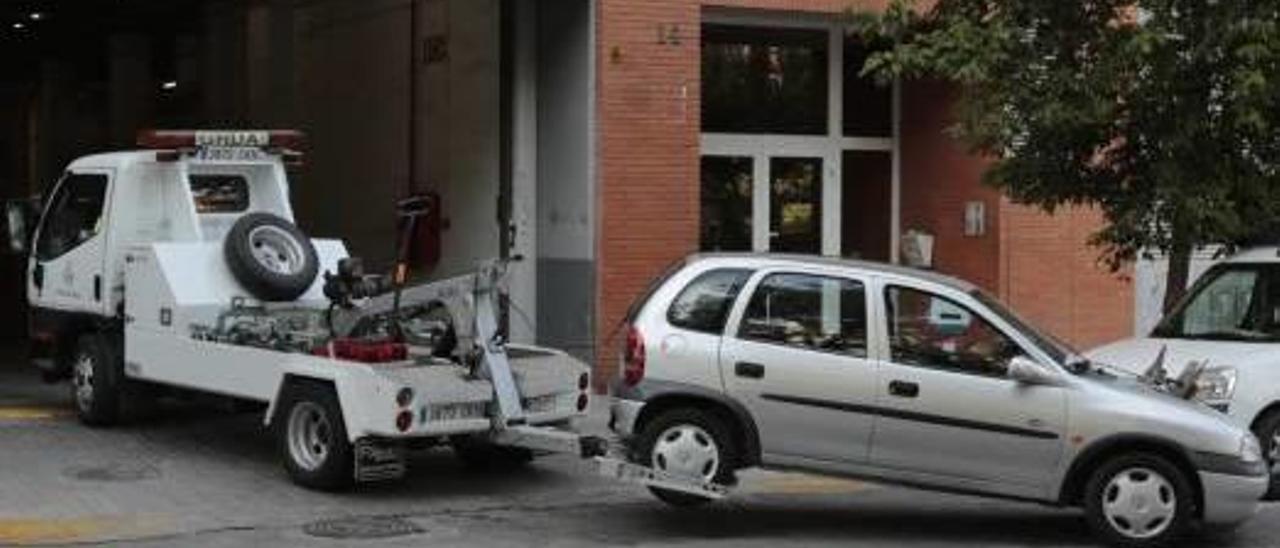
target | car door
x=65, y=269
x=945, y=404
x=796, y=355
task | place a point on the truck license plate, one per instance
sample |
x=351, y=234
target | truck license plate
x=540, y=404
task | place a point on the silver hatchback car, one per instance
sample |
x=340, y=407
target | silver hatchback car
x=908, y=377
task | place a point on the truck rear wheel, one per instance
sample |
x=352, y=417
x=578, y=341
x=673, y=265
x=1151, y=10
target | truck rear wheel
x=96, y=379
x=312, y=438
x=270, y=257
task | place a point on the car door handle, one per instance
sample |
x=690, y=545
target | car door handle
x=748, y=370
x=904, y=389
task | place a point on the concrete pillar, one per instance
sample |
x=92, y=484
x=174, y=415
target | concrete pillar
x=131, y=88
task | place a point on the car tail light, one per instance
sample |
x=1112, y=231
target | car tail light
x=633, y=358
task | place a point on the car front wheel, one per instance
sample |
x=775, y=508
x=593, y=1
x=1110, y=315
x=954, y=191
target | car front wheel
x=689, y=443
x=1139, y=500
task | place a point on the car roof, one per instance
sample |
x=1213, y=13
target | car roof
x=771, y=260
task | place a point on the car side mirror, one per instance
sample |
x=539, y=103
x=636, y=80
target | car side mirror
x=1025, y=371
x=20, y=218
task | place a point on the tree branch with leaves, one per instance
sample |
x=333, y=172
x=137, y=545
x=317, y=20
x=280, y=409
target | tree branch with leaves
x=1164, y=115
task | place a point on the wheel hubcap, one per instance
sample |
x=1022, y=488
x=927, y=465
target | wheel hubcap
x=309, y=435
x=276, y=250
x=1139, y=503
x=687, y=450
x=82, y=381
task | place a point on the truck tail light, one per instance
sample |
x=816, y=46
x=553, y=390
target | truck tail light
x=404, y=420
x=633, y=357
x=583, y=401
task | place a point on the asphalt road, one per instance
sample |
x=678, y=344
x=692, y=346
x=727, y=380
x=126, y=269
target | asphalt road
x=196, y=475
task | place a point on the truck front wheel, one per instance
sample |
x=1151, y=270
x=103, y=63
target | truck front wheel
x=313, y=438
x=96, y=378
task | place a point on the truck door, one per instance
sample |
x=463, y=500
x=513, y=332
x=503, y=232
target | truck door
x=65, y=269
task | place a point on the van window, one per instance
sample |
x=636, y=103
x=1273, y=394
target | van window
x=220, y=193
x=74, y=215
x=704, y=304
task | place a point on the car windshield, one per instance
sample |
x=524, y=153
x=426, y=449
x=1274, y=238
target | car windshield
x=1056, y=349
x=1231, y=302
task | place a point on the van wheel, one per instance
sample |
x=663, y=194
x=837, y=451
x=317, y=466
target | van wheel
x=270, y=257
x=312, y=438
x=1139, y=500
x=1268, y=431
x=687, y=442
x=96, y=378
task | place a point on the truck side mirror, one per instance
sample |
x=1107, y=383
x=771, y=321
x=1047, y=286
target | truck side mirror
x=20, y=218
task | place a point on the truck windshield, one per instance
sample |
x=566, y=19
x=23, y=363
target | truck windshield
x=1231, y=302
x=1057, y=350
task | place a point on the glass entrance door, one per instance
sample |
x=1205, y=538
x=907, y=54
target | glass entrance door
x=754, y=201
x=795, y=205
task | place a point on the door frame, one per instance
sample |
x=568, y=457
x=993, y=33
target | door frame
x=829, y=147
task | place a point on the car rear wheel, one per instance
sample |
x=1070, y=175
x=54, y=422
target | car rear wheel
x=690, y=443
x=1268, y=431
x=312, y=438
x=1139, y=500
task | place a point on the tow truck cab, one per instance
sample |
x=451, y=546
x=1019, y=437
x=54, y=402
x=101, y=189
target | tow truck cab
x=190, y=187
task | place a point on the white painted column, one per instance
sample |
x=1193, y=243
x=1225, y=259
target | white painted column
x=524, y=174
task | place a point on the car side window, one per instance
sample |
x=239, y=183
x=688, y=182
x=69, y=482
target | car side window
x=807, y=311
x=74, y=215
x=704, y=304
x=932, y=331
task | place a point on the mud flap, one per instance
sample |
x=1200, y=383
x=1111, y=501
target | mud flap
x=378, y=461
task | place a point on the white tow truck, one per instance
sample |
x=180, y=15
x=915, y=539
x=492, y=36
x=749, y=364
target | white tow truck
x=180, y=267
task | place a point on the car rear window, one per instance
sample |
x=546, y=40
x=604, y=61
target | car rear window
x=704, y=304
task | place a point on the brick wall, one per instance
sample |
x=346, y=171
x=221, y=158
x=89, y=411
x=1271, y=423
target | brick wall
x=1051, y=276
x=938, y=179
x=648, y=114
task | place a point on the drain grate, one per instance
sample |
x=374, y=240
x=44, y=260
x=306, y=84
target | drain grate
x=368, y=527
x=115, y=472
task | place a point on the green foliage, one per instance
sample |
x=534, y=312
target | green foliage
x=1165, y=114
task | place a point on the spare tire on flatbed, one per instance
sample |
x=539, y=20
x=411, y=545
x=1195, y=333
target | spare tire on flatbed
x=270, y=257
